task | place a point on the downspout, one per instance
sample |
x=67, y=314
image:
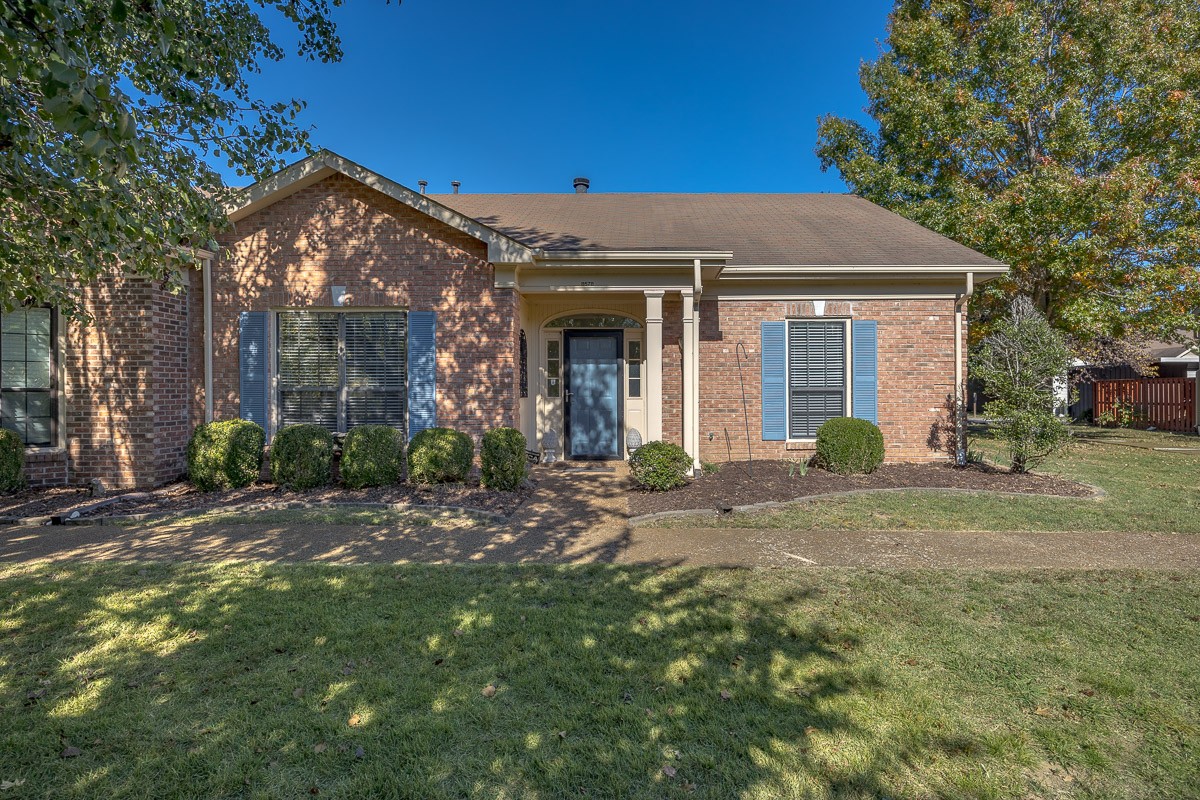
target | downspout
x=960, y=404
x=698, y=289
x=208, y=340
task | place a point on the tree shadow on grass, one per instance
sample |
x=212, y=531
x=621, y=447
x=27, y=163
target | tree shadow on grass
x=270, y=681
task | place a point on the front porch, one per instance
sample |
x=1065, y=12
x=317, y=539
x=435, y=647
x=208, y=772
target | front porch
x=591, y=371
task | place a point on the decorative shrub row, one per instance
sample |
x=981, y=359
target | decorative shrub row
x=228, y=455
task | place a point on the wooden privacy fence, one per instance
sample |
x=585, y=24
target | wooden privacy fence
x=1168, y=404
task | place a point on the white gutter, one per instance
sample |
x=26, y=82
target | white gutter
x=960, y=404
x=208, y=339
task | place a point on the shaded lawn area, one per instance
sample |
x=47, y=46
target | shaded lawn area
x=273, y=681
x=1148, y=491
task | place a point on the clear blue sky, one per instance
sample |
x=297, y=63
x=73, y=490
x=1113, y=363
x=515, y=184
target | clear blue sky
x=523, y=95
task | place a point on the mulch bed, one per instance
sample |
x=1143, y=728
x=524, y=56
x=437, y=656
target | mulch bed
x=737, y=484
x=184, y=497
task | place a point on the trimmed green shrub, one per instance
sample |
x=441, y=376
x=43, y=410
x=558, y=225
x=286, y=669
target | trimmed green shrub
x=849, y=446
x=440, y=455
x=226, y=454
x=660, y=466
x=503, y=460
x=302, y=457
x=12, y=462
x=373, y=455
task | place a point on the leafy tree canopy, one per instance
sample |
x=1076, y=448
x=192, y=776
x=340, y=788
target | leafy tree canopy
x=110, y=108
x=1059, y=136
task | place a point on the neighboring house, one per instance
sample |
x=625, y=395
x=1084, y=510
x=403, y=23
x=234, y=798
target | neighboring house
x=1167, y=359
x=341, y=297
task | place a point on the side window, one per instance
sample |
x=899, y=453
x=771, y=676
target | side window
x=553, y=368
x=27, y=391
x=633, y=365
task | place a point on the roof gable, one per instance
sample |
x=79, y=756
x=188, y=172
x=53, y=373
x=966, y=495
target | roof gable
x=324, y=163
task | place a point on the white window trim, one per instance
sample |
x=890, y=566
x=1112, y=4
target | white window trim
x=787, y=344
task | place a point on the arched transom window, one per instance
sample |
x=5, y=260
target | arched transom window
x=594, y=321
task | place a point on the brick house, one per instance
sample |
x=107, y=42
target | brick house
x=340, y=297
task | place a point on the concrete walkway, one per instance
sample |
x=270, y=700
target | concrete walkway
x=733, y=547
x=580, y=516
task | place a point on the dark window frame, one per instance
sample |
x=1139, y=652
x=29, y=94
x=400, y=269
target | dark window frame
x=52, y=390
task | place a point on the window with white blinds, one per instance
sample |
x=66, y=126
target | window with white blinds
x=816, y=375
x=340, y=370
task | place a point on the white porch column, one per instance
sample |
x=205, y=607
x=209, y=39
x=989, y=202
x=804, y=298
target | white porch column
x=696, y=382
x=689, y=374
x=653, y=379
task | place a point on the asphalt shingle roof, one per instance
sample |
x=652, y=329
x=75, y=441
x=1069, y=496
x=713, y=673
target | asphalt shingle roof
x=759, y=229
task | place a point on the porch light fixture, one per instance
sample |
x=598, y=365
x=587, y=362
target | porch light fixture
x=633, y=440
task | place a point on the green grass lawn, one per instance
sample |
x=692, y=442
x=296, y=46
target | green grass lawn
x=1148, y=490
x=271, y=681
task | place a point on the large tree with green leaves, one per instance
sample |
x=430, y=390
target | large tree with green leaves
x=111, y=113
x=1059, y=136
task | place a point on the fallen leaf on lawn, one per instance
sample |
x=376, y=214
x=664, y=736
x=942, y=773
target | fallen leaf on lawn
x=359, y=752
x=321, y=747
x=669, y=771
x=810, y=730
x=562, y=734
x=35, y=694
x=458, y=631
x=1042, y=711
x=726, y=694
x=1087, y=692
x=355, y=720
x=70, y=752
x=11, y=784
x=298, y=693
x=689, y=787
x=489, y=690
x=314, y=790
x=911, y=662
x=438, y=662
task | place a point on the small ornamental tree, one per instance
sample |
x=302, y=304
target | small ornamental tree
x=1019, y=363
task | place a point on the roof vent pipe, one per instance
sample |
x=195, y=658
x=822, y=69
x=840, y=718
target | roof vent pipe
x=424, y=185
x=456, y=184
x=581, y=185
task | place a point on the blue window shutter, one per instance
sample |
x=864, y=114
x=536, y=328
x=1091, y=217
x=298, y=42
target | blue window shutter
x=866, y=370
x=252, y=362
x=422, y=371
x=774, y=381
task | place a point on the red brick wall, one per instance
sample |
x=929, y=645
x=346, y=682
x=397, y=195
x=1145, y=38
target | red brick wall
x=339, y=232
x=916, y=374
x=124, y=388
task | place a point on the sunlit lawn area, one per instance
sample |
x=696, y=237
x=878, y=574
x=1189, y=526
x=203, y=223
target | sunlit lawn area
x=1148, y=490
x=270, y=681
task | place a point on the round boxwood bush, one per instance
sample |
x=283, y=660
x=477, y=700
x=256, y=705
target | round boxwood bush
x=440, y=455
x=12, y=462
x=660, y=466
x=502, y=459
x=849, y=446
x=302, y=457
x=226, y=454
x=373, y=455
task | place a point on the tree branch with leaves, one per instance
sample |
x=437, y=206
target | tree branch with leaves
x=112, y=113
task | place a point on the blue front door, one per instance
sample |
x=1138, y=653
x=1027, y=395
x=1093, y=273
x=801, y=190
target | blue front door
x=593, y=394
